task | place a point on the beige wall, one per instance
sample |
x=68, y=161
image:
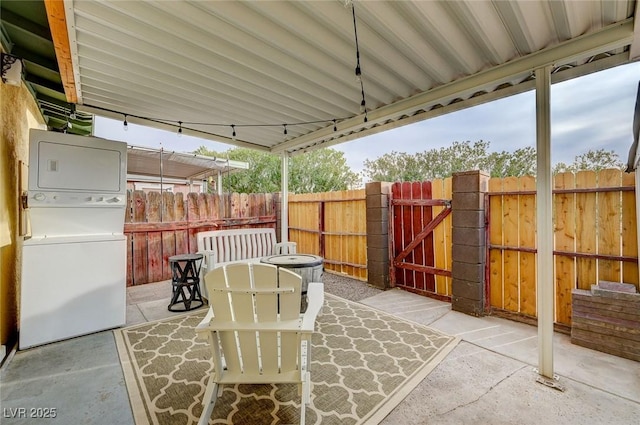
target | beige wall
x=19, y=113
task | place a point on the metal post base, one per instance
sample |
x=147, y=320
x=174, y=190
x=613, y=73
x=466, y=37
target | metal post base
x=552, y=383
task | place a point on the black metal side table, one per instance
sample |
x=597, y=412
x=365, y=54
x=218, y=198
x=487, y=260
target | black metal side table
x=185, y=281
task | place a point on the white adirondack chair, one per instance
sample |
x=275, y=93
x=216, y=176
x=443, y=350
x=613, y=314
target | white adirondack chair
x=256, y=331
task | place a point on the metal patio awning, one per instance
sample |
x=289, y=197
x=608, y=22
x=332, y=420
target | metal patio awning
x=211, y=65
x=144, y=161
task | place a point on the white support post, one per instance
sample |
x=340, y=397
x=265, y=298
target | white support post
x=544, y=216
x=219, y=183
x=284, y=201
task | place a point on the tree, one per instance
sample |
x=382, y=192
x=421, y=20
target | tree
x=443, y=162
x=321, y=170
x=594, y=160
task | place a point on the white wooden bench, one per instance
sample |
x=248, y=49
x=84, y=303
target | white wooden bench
x=221, y=247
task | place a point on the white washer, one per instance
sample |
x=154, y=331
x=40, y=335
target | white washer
x=71, y=286
x=74, y=265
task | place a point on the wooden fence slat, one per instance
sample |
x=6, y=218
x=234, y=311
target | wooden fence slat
x=182, y=242
x=511, y=258
x=439, y=238
x=565, y=235
x=203, y=207
x=215, y=206
x=235, y=205
x=180, y=211
x=139, y=207
x=428, y=241
x=193, y=207
x=608, y=225
x=448, y=226
x=168, y=207
x=128, y=213
x=526, y=222
x=129, y=259
x=586, y=229
x=168, y=249
x=154, y=205
x=244, y=205
x=396, y=240
x=417, y=223
x=629, y=223
x=407, y=233
x=140, y=258
x=496, y=262
x=154, y=243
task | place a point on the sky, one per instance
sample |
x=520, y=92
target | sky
x=590, y=112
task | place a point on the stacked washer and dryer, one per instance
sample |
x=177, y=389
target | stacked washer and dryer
x=74, y=264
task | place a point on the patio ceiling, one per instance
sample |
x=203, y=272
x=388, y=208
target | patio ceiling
x=258, y=65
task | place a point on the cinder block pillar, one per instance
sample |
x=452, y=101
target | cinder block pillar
x=377, y=196
x=469, y=242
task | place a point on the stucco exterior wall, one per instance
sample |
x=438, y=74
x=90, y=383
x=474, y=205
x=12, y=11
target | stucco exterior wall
x=19, y=113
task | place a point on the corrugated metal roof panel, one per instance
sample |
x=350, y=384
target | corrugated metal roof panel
x=259, y=65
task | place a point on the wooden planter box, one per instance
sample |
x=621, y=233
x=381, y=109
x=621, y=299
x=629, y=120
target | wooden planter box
x=607, y=319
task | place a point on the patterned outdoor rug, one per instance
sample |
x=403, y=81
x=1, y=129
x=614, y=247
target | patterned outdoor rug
x=364, y=362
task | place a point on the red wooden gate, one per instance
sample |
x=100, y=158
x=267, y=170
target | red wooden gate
x=411, y=228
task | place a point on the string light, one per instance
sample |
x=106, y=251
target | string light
x=72, y=111
x=125, y=124
x=180, y=124
x=363, y=103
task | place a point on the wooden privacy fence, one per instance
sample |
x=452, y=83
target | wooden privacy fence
x=158, y=225
x=595, y=238
x=334, y=226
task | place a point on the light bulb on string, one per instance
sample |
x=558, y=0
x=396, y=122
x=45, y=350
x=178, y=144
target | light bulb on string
x=335, y=128
x=125, y=124
x=363, y=106
x=233, y=132
x=180, y=128
x=358, y=73
x=285, y=129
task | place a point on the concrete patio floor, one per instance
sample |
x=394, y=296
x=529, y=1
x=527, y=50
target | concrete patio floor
x=489, y=378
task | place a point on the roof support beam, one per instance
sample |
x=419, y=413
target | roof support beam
x=284, y=199
x=610, y=38
x=544, y=220
x=60, y=36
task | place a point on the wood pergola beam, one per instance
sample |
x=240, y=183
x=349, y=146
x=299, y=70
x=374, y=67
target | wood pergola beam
x=58, y=25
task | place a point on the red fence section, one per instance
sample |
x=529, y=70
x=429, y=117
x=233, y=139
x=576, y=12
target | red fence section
x=158, y=226
x=408, y=220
